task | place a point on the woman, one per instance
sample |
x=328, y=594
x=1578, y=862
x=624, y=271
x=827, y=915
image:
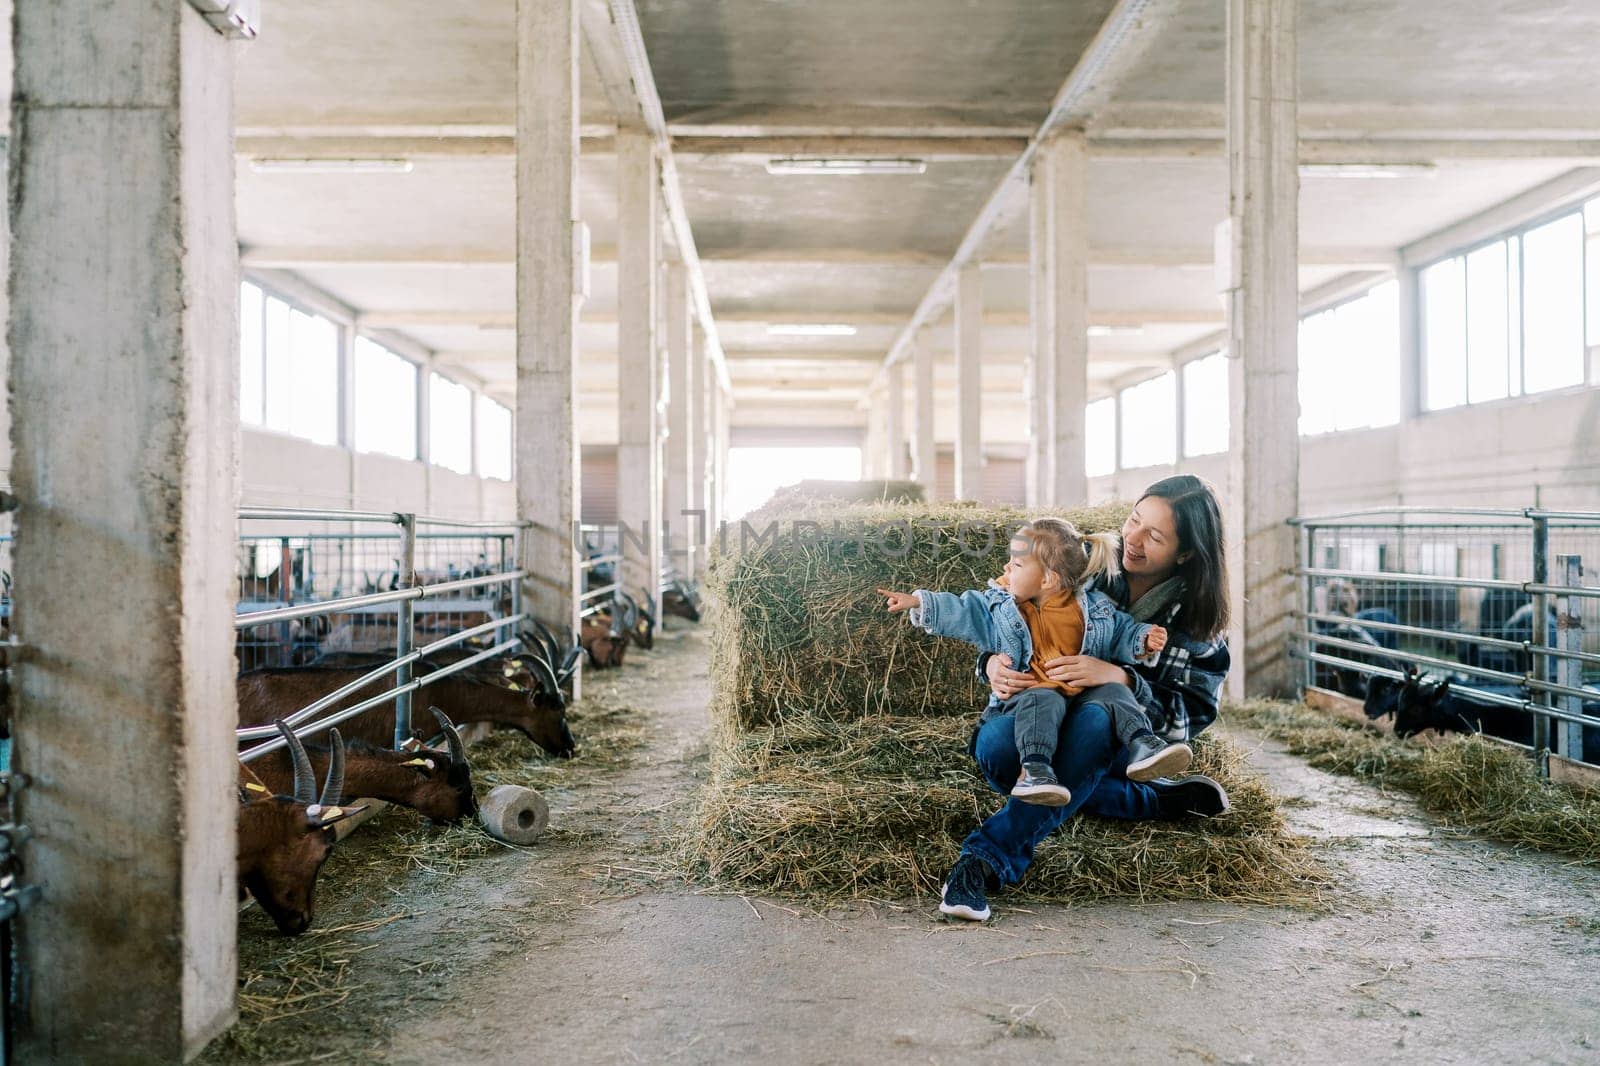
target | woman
x=1174, y=575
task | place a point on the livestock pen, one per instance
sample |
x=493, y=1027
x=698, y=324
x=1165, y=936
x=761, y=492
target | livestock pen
x=1493, y=600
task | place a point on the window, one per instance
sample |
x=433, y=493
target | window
x=1149, y=422
x=251, y=376
x=1205, y=405
x=450, y=424
x=278, y=366
x=1350, y=364
x=494, y=439
x=1511, y=317
x=385, y=401
x=314, y=375
x=1591, y=275
x=1552, y=315
x=1100, y=437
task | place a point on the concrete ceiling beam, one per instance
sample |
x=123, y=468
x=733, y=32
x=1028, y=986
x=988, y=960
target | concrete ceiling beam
x=757, y=150
x=1377, y=150
x=1127, y=33
x=505, y=320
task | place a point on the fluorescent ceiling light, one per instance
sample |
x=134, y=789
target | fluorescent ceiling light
x=845, y=166
x=1366, y=170
x=331, y=166
x=810, y=329
x=1107, y=331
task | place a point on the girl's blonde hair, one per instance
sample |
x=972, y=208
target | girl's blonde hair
x=1072, y=556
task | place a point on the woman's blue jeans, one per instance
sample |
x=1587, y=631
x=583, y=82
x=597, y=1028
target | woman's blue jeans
x=1084, y=751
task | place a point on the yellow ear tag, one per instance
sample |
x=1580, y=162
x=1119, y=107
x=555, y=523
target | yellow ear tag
x=418, y=762
x=253, y=787
x=513, y=686
x=328, y=814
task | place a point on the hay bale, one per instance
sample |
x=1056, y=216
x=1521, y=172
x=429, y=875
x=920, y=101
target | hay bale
x=798, y=631
x=812, y=490
x=878, y=808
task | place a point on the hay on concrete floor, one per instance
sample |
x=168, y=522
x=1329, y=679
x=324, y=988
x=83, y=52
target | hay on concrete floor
x=1465, y=781
x=878, y=809
x=798, y=630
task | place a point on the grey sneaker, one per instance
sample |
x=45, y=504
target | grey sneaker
x=963, y=893
x=1038, y=784
x=1150, y=757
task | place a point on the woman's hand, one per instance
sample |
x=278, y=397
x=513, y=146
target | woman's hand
x=1085, y=671
x=1005, y=681
x=900, y=601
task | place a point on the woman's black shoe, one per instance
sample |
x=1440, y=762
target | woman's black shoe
x=963, y=895
x=1192, y=795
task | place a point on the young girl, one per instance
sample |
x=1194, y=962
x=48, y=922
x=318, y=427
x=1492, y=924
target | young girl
x=1039, y=609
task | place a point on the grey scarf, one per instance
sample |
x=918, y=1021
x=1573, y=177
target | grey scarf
x=1156, y=603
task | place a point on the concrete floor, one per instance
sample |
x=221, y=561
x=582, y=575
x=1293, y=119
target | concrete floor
x=1433, y=949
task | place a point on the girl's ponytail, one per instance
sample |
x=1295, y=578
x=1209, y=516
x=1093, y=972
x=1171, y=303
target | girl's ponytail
x=1102, y=550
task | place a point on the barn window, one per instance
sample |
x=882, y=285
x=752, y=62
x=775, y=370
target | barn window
x=494, y=439
x=1552, y=317
x=1205, y=405
x=450, y=424
x=1444, y=323
x=1100, y=437
x=1350, y=364
x=385, y=401
x=314, y=378
x=252, y=380
x=1149, y=422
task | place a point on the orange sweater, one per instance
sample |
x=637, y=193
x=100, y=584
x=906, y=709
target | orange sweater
x=1056, y=628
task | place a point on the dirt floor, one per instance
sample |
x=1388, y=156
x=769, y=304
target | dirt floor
x=591, y=947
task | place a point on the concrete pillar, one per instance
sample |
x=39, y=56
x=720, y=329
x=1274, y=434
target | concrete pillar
x=545, y=423
x=724, y=431
x=1065, y=160
x=681, y=447
x=1263, y=321
x=894, y=424
x=1038, y=381
x=698, y=529
x=969, y=382
x=124, y=381
x=639, y=447
x=922, y=454
x=1409, y=304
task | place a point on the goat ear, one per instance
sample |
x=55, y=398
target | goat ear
x=327, y=817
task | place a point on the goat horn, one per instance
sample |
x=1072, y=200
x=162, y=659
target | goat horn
x=333, y=787
x=305, y=782
x=458, y=750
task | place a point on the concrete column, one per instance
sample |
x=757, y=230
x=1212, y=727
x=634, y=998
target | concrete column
x=1409, y=303
x=922, y=454
x=1066, y=172
x=969, y=382
x=681, y=405
x=638, y=448
x=124, y=337
x=700, y=466
x=545, y=422
x=894, y=425
x=1038, y=381
x=724, y=431
x=1263, y=321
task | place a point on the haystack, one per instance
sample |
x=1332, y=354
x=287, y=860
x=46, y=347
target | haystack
x=840, y=766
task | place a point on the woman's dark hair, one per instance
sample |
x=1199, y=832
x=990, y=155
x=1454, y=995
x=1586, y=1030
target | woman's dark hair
x=1205, y=573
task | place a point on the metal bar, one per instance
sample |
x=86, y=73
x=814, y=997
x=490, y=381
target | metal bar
x=601, y=591
x=1570, y=516
x=513, y=544
x=307, y=610
x=297, y=514
x=1466, y=692
x=1420, y=631
x=1415, y=579
x=1556, y=688
x=1541, y=636
x=468, y=523
x=1582, y=591
x=425, y=592
x=471, y=660
x=261, y=732
x=404, y=632
x=601, y=560
x=1308, y=676
x=467, y=634
x=1412, y=657
x=252, y=754
x=1372, y=512
x=1569, y=634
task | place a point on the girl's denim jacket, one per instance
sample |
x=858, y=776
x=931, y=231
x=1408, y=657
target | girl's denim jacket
x=989, y=618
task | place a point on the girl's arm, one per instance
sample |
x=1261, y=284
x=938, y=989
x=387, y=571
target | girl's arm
x=964, y=617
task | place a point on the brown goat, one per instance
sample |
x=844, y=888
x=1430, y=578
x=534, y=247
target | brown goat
x=284, y=840
x=606, y=645
x=468, y=696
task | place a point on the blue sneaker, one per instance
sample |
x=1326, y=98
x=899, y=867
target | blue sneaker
x=963, y=895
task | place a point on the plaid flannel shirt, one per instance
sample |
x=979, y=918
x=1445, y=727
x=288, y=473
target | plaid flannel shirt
x=1180, y=692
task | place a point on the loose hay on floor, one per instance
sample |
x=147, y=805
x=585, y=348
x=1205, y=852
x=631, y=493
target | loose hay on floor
x=799, y=630
x=1464, y=781
x=878, y=809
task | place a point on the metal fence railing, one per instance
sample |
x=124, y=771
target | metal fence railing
x=1495, y=600
x=313, y=582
